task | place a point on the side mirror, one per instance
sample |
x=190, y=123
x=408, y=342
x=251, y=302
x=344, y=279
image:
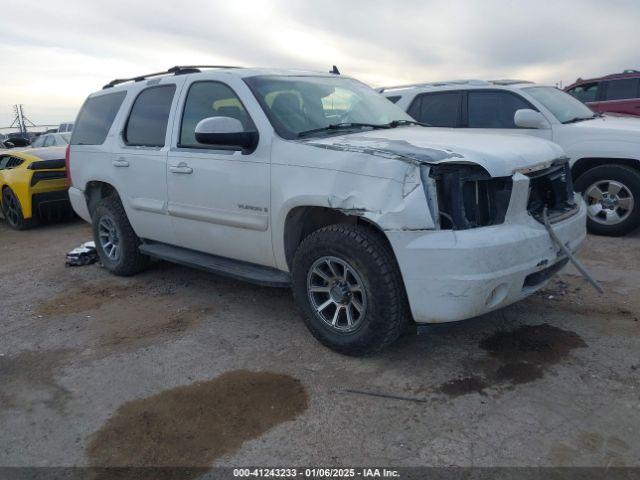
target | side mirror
x=527, y=118
x=226, y=132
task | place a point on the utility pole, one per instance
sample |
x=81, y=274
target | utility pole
x=20, y=120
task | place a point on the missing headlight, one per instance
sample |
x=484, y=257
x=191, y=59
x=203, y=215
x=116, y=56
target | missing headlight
x=469, y=197
x=551, y=188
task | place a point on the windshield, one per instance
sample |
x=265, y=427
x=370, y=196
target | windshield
x=300, y=104
x=65, y=137
x=563, y=106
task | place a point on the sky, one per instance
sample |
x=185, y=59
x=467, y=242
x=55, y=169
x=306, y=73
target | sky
x=55, y=53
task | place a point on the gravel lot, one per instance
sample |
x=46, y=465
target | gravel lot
x=176, y=366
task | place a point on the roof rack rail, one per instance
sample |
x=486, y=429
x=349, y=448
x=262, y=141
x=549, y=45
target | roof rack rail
x=434, y=84
x=508, y=81
x=177, y=70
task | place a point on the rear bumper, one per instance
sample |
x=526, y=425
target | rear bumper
x=454, y=275
x=79, y=204
x=46, y=203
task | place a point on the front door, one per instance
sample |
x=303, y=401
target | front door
x=218, y=199
x=493, y=111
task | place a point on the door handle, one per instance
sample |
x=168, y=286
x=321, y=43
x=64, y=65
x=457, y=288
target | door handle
x=121, y=162
x=182, y=168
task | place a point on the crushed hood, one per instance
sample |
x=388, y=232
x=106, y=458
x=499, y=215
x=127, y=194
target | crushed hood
x=500, y=155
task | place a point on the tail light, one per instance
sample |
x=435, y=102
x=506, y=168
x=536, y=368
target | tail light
x=66, y=164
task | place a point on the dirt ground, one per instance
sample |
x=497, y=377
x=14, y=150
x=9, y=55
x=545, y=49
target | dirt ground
x=179, y=367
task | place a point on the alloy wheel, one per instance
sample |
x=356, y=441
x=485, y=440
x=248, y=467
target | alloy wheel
x=337, y=295
x=609, y=202
x=12, y=208
x=109, y=238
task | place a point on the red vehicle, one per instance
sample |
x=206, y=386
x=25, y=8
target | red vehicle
x=617, y=93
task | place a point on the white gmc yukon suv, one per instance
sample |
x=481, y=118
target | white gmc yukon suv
x=315, y=181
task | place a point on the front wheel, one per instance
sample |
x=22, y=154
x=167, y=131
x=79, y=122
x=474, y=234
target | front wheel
x=612, y=194
x=348, y=285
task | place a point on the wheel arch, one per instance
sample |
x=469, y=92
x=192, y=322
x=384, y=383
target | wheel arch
x=584, y=164
x=96, y=190
x=301, y=221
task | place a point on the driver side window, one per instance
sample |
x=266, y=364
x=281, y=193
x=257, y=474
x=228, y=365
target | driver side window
x=210, y=99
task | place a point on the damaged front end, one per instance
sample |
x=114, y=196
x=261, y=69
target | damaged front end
x=465, y=196
x=551, y=188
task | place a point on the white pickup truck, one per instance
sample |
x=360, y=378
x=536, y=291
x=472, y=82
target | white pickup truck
x=315, y=181
x=604, y=150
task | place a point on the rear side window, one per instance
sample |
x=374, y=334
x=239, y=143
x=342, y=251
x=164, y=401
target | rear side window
x=210, y=99
x=394, y=99
x=493, y=109
x=586, y=92
x=147, y=123
x=95, y=119
x=437, y=109
x=622, y=89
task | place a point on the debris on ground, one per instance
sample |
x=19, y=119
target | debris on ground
x=85, y=254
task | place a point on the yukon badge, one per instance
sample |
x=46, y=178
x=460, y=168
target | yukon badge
x=252, y=207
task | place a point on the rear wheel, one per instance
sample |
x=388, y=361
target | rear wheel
x=116, y=242
x=348, y=285
x=612, y=194
x=12, y=211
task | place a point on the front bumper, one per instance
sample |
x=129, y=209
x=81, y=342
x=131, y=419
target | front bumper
x=453, y=275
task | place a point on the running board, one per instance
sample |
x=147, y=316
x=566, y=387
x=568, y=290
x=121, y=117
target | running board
x=258, y=274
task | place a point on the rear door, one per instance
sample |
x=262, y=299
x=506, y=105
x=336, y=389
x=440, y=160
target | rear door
x=219, y=198
x=621, y=96
x=139, y=158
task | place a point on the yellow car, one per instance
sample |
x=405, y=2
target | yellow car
x=34, y=185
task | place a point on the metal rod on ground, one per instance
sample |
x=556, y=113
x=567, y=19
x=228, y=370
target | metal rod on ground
x=568, y=253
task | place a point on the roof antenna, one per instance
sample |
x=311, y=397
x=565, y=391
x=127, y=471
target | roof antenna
x=335, y=70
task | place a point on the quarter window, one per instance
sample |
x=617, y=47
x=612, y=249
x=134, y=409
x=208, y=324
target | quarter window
x=147, y=124
x=437, y=109
x=622, y=89
x=586, y=92
x=210, y=99
x=491, y=109
x=95, y=119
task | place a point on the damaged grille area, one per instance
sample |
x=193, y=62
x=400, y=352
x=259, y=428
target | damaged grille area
x=552, y=188
x=468, y=197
